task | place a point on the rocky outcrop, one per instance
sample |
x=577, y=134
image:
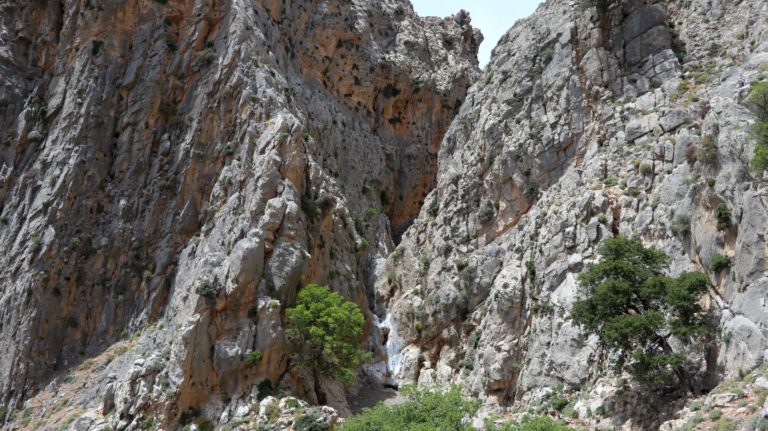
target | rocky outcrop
x=585, y=125
x=173, y=171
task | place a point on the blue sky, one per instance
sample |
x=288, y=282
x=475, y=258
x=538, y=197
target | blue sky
x=492, y=17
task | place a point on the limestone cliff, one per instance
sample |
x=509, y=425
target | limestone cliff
x=586, y=124
x=172, y=172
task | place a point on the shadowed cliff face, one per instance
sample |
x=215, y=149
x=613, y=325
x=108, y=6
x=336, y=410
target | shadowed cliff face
x=153, y=150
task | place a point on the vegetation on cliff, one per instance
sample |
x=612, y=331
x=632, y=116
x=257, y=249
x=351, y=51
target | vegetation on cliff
x=636, y=310
x=326, y=332
x=432, y=410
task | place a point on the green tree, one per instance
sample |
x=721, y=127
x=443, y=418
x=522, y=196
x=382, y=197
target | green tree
x=423, y=410
x=326, y=331
x=635, y=309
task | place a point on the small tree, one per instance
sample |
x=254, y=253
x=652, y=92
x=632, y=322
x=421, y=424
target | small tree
x=325, y=331
x=635, y=309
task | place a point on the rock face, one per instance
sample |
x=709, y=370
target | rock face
x=585, y=125
x=173, y=171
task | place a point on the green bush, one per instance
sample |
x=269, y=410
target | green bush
x=253, y=358
x=726, y=425
x=681, y=226
x=147, y=423
x=203, y=423
x=423, y=410
x=708, y=151
x=720, y=262
x=207, y=290
x=559, y=403
x=723, y=216
x=272, y=411
x=758, y=102
x=325, y=332
x=646, y=169
x=635, y=309
x=528, y=423
x=312, y=420
x=530, y=269
x=759, y=161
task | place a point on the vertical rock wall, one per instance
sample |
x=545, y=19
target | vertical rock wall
x=173, y=171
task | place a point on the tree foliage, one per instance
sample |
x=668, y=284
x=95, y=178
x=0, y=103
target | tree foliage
x=635, y=309
x=325, y=331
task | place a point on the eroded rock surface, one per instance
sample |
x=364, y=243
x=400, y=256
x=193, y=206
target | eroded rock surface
x=584, y=126
x=173, y=171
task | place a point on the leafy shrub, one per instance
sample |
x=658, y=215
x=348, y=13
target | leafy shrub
x=325, y=331
x=528, y=423
x=207, y=290
x=759, y=161
x=559, y=403
x=715, y=415
x=461, y=264
x=708, y=151
x=312, y=420
x=758, y=102
x=681, y=226
x=646, y=169
x=720, y=262
x=531, y=189
x=723, y=216
x=147, y=423
x=530, y=269
x=423, y=410
x=292, y=403
x=203, y=423
x=253, y=358
x=272, y=411
x=725, y=425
